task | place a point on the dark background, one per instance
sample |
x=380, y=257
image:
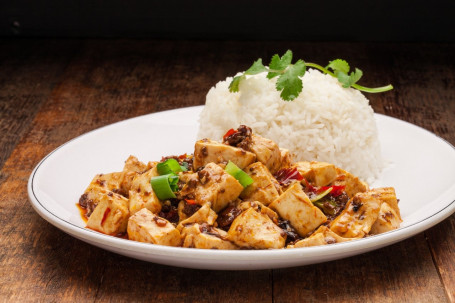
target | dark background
x=385, y=20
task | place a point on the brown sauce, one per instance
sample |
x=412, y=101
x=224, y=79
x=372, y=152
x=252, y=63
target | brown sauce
x=83, y=212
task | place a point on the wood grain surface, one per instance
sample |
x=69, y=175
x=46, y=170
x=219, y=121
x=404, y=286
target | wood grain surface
x=54, y=90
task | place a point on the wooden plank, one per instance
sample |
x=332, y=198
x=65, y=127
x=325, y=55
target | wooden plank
x=151, y=282
x=38, y=262
x=425, y=97
x=403, y=272
x=442, y=247
x=429, y=97
x=29, y=71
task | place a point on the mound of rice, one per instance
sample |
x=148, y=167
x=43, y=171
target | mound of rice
x=326, y=122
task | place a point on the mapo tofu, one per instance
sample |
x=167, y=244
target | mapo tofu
x=244, y=192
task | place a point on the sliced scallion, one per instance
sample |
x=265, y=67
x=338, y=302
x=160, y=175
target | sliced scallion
x=184, y=166
x=327, y=207
x=164, y=186
x=321, y=195
x=169, y=166
x=238, y=174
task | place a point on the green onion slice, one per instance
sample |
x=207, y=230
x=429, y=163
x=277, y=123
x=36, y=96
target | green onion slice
x=321, y=195
x=184, y=166
x=238, y=174
x=164, y=186
x=326, y=210
x=169, y=166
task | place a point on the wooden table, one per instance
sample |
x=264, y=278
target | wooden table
x=54, y=90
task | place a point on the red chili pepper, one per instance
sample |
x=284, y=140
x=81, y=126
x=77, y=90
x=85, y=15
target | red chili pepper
x=322, y=189
x=286, y=175
x=336, y=190
x=229, y=133
x=181, y=157
x=310, y=187
x=106, y=213
x=192, y=202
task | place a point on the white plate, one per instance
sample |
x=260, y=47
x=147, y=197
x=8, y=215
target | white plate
x=422, y=172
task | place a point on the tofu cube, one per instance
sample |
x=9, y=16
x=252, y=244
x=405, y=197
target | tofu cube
x=387, y=220
x=205, y=214
x=322, y=236
x=109, y=181
x=295, y=206
x=264, y=188
x=110, y=215
x=259, y=207
x=214, y=185
x=133, y=167
x=356, y=220
x=142, y=195
x=206, y=237
x=286, y=158
x=100, y=183
x=206, y=151
x=387, y=195
x=267, y=152
x=353, y=184
x=252, y=229
x=317, y=173
x=323, y=173
x=145, y=226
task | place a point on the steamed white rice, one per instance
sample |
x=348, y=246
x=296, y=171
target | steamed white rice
x=326, y=122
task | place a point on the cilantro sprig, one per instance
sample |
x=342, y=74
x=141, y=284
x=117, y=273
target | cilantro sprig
x=289, y=74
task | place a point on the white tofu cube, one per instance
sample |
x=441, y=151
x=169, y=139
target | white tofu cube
x=142, y=194
x=264, y=189
x=205, y=214
x=206, y=151
x=317, y=173
x=295, y=206
x=259, y=207
x=387, y=195
x=267, y=152
x=286, y=158
x=110, y=215
x=387, y=220
x=145, y=226
x=110, y=182
x=206, y=237
x=356, y=220
x=213, y=185
x=133, y=167
x=100, y=184
x=253, y=229
x=353, y=184
x=322, y=236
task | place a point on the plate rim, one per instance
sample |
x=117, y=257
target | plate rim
x=355, y=246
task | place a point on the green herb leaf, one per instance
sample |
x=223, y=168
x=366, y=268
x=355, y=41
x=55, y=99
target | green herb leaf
x=356, y=75
x=341, y=71
x=279, y=64
x=339, y=65
x=256, y=68
x=234, y=86
x=349, y=80
x=289, y=83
